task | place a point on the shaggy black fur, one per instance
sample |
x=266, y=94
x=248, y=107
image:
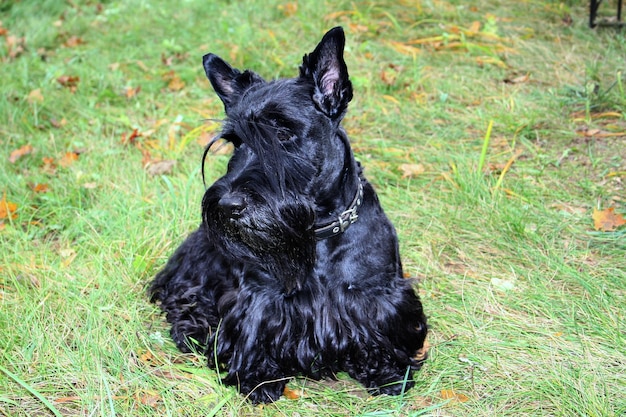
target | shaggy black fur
x=258, y=287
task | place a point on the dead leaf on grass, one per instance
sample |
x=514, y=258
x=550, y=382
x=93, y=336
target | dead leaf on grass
x=35, y=96
x=149, y=398
x=174, y=83
x=73, y=42
x=68, y=159
x=293, y=394
x=18, y=153
x=14, y=45
x=288, y=9
x=39, y=188
x=449, y=394
x=69, y=81
x=49, y=166
x=607, y=220
x=131, y=92
x=412, y=170
x=7, y=209
x=516, y=79
x=165, y=167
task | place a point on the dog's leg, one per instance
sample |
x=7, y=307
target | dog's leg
x=252, y=338
x=391, y=338
x=185, y=289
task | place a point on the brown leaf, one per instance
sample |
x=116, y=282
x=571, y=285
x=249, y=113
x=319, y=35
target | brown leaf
x=176, y=84
x=160, y=167
x=412, y=170
x=39, y=188
x=69, y=81
x=35, y=96
x=68, y=159
x=49, y=166
x=288, y=9
x=292, y=394
x=131, y=92
x=15, y=46
x=131, y=138
x=607, y=220
x=73, y=42
x=149, y=398
x=18, y=153
x=517, y=80
x=7, y=209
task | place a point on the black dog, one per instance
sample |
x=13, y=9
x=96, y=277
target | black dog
x=295, y=268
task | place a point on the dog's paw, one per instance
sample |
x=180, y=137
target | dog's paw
x=395, y=388
x=265, y=392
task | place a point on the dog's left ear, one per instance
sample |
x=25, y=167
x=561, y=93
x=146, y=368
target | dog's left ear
x=325, y=65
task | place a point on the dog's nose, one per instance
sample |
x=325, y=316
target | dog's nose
x=233, y=205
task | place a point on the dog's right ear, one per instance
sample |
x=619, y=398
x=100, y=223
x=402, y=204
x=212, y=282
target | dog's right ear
x=228, y=82
x=326, y=67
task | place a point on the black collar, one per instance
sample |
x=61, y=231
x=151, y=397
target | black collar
x=344, y=220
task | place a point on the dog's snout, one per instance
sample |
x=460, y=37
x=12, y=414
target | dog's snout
x=233, y=205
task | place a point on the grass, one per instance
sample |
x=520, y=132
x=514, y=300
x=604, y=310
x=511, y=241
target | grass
x=518, y=121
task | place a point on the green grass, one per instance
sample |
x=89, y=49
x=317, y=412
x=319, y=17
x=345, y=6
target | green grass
x=526, y=300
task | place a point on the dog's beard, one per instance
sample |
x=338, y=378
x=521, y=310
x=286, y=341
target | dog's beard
x=277, y=237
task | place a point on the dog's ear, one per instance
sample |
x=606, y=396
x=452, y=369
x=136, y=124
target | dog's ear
x=325, y=65
x=228, y=82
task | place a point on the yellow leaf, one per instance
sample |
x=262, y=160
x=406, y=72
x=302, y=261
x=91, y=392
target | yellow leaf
x=448, y=394
x=391, y=98
x=404, y=48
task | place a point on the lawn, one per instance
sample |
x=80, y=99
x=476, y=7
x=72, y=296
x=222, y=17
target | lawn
x=494, y=132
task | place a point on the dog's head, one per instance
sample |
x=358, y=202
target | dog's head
x=288, y=147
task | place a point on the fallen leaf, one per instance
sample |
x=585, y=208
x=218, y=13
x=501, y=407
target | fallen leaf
x=131, y=92
x=68, y=159
x=607, y=220
x=58, y=124
x=18, y=153
x=288, y=9
x=143, y=66
x=49, y=166
x=176, y=84
x=131, y=138
x=7, y=209
x=160, y=167
x=292, y=394
x=39, y=188
x=412, y=170
x=149, y=398
x=69, y=81
x=516, y=80
x=146, y=357
x=35, y=96
x=15, y=46
x=448, y=394
x=403, y=48
x=73, y=42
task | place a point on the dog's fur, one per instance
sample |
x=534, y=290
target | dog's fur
x=265, y=286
